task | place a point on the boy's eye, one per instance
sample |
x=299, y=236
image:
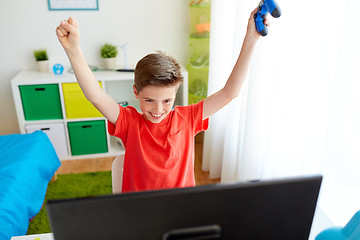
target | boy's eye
x=167, y=101
x=148, y=100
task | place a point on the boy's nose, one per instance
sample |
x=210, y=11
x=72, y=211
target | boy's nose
x=158, y=107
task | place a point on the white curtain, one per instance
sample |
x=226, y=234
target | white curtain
x=299, y=109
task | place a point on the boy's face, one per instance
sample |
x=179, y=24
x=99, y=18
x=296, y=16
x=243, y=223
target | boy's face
x=156, y=102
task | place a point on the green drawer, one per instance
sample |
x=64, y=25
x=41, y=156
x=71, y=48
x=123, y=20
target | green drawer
x=87, y=137
x=41, y=102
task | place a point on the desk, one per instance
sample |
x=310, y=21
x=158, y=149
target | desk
x=45, y=236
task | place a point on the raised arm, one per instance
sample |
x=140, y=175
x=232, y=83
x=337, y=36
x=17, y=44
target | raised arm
x=68, y=35
x=232, y=88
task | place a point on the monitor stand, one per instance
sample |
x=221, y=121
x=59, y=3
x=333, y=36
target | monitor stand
x=208, y=232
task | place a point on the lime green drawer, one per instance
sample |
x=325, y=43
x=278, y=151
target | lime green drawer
x=76, y=104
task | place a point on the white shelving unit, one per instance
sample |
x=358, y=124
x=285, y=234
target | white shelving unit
x=117, y=84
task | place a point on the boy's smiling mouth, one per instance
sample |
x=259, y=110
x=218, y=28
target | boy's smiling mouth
x=156, y=115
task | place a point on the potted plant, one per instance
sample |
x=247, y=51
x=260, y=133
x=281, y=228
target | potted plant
x=42, y=60
x=109, y=52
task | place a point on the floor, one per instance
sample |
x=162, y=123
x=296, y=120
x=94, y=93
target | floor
x=104, y=164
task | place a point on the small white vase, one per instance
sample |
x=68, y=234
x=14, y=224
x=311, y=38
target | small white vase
x=43, y=66
x=110, y=63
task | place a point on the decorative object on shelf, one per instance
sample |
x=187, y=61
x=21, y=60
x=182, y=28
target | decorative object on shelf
x=109, y=52
x=350, y=232
x=125, y=70
x=124, y=103
x=58, y=69
x=58, y=5
x=123, y=47
x=92, y=68
x=42, y=60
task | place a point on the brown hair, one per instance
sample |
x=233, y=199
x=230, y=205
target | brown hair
x=157, y=69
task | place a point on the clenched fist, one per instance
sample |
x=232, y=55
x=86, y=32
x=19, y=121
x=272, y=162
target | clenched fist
x=68, y=34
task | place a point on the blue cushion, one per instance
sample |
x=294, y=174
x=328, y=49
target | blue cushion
x=27, y=164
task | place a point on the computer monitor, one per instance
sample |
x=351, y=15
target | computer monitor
x=279, y=209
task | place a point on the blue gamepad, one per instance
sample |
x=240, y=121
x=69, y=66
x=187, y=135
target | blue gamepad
x=265, y=7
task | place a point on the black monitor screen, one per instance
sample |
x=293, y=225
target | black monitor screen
x=279, y=209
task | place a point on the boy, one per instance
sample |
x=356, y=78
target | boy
x=159, y=142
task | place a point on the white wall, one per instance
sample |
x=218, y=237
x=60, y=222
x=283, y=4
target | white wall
x=148, y=25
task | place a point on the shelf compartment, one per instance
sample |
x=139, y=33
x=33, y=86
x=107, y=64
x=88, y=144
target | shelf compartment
x=41, y=102
x=56, y=134
x=87, y=137
x=76, y=104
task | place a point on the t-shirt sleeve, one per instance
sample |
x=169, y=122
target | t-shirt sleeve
x=197, y=115
x=119, y=129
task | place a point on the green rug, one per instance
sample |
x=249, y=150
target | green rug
x=71, y=186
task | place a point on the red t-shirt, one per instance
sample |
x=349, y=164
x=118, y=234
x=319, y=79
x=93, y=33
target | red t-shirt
x=159, y=155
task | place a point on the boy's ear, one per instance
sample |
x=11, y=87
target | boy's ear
x=135, y=92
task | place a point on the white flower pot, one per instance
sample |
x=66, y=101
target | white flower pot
x=110, y=63
x=43, y=66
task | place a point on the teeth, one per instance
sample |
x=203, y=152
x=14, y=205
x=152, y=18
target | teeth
x=156, y=115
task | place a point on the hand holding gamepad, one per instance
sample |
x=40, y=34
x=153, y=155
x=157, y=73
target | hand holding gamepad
x=265, y=7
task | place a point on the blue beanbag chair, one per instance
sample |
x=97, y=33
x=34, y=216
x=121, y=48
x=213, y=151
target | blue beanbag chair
x=27, y=164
